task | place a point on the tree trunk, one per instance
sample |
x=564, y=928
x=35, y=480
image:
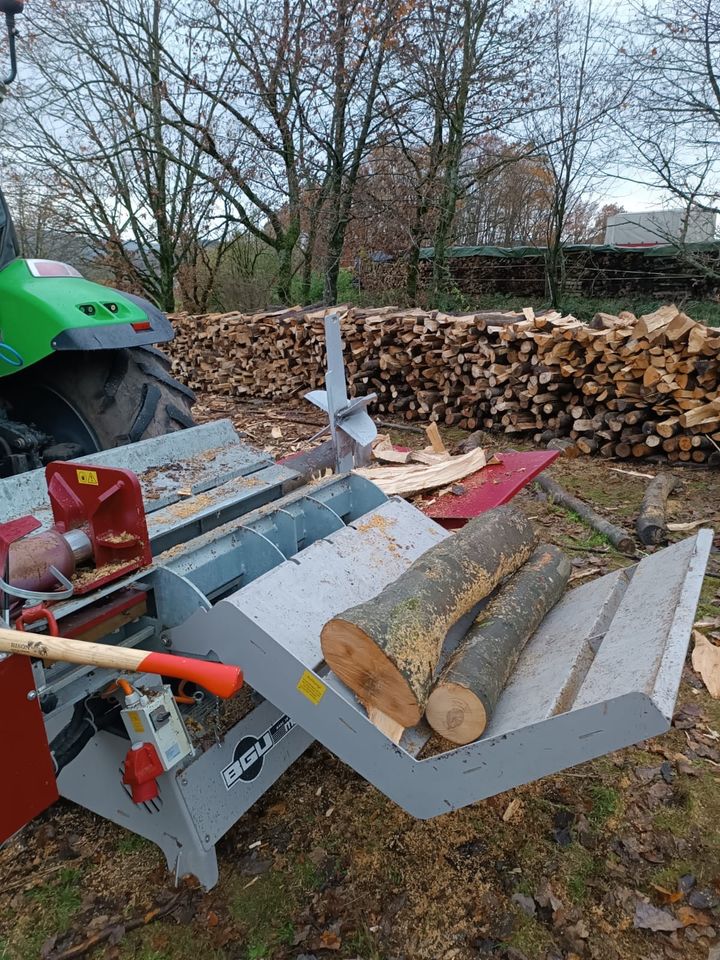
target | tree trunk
x=285, y=248
x=616, y=535
x=650, y=525
x=469, y=687
x=387, y=649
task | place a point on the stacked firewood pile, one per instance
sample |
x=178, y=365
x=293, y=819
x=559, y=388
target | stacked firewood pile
x=622, y=386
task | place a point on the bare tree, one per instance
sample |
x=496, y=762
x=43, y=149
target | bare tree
x=95, y=121
x=670, y=129
x=352, y=41
x=464, y=77
x=581, y=86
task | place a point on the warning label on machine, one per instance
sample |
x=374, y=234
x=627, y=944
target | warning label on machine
x=87, y=476
x=310, y=687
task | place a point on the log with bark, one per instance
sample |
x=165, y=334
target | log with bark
x=651, y=524
x=616, y=535
x=387, y=649
x=469, y=687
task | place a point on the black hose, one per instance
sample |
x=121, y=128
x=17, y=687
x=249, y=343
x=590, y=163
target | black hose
x=88, y=717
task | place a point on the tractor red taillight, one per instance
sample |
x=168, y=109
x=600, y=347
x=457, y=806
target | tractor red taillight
x=51, y=268
x=141, y=325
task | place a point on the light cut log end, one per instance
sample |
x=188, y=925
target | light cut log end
x=363, y=667
x=456, y=713
x=391, y=728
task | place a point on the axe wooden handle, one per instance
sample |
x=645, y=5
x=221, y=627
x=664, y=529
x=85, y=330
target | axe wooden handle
x=219, y=678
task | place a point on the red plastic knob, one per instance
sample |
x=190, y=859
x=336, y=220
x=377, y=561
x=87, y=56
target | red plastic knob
x=142, y=767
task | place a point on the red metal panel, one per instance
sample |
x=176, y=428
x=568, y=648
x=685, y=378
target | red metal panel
x=26, y=769
x=490, y=487
x=107, y=503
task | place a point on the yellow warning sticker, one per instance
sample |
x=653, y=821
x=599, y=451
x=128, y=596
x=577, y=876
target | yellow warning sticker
x=135, y=721
x=87, y=476
x=312, y=688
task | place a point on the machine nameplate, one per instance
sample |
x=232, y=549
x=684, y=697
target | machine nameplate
x=249, y=754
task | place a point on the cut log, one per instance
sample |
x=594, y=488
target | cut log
x=651, y=523
x=465, y=696
x=616, y=535
x=387, y=649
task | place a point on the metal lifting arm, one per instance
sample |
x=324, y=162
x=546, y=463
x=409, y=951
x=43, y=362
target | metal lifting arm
x=11, y=8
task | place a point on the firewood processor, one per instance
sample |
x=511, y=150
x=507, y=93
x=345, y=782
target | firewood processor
x=147, y=583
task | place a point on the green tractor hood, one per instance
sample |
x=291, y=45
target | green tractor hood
x=47, y=306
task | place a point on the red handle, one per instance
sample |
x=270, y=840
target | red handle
x=222, y=679
x=34, y=615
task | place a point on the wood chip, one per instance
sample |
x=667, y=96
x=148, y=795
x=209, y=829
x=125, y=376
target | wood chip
x=684, y=527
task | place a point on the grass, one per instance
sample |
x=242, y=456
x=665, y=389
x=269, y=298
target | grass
x=266, y=908
x=169, y=941
x=362, y=943
x=578, y=867
x=606, y=803
x=132, y=843
x=52, y=907
x=530, y=937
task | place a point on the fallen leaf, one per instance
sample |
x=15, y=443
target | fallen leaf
x=276, y=433
x=526, y=904
x=706, y=662
x=689, y=915
x=648, y=917
x=212, y=919
x=330, y=940
x=668, y=896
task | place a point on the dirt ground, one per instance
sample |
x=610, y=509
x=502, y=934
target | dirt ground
x=618, y=859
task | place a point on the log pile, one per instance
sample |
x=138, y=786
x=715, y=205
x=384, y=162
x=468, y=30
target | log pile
x=622, y=386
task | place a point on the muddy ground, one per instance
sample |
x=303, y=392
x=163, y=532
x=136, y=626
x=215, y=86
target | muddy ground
x=618, y=859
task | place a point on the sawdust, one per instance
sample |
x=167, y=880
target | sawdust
x=85, y=576
x=188, y=508
x=111, y=539
x=376, y=522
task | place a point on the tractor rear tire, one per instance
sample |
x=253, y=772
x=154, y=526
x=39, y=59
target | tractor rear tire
x=102, y=398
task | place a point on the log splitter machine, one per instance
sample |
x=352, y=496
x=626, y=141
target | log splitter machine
x=167, y=565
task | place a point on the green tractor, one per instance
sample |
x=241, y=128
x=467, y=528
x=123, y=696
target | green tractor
x=79, y=370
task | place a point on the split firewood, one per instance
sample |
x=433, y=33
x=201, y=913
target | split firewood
x=469, y=687
x=616, y=535
x=623, y=388
x=383, y=450
x=436, y=441
x=415, y=478
x=651, y=524
x=387, y=649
